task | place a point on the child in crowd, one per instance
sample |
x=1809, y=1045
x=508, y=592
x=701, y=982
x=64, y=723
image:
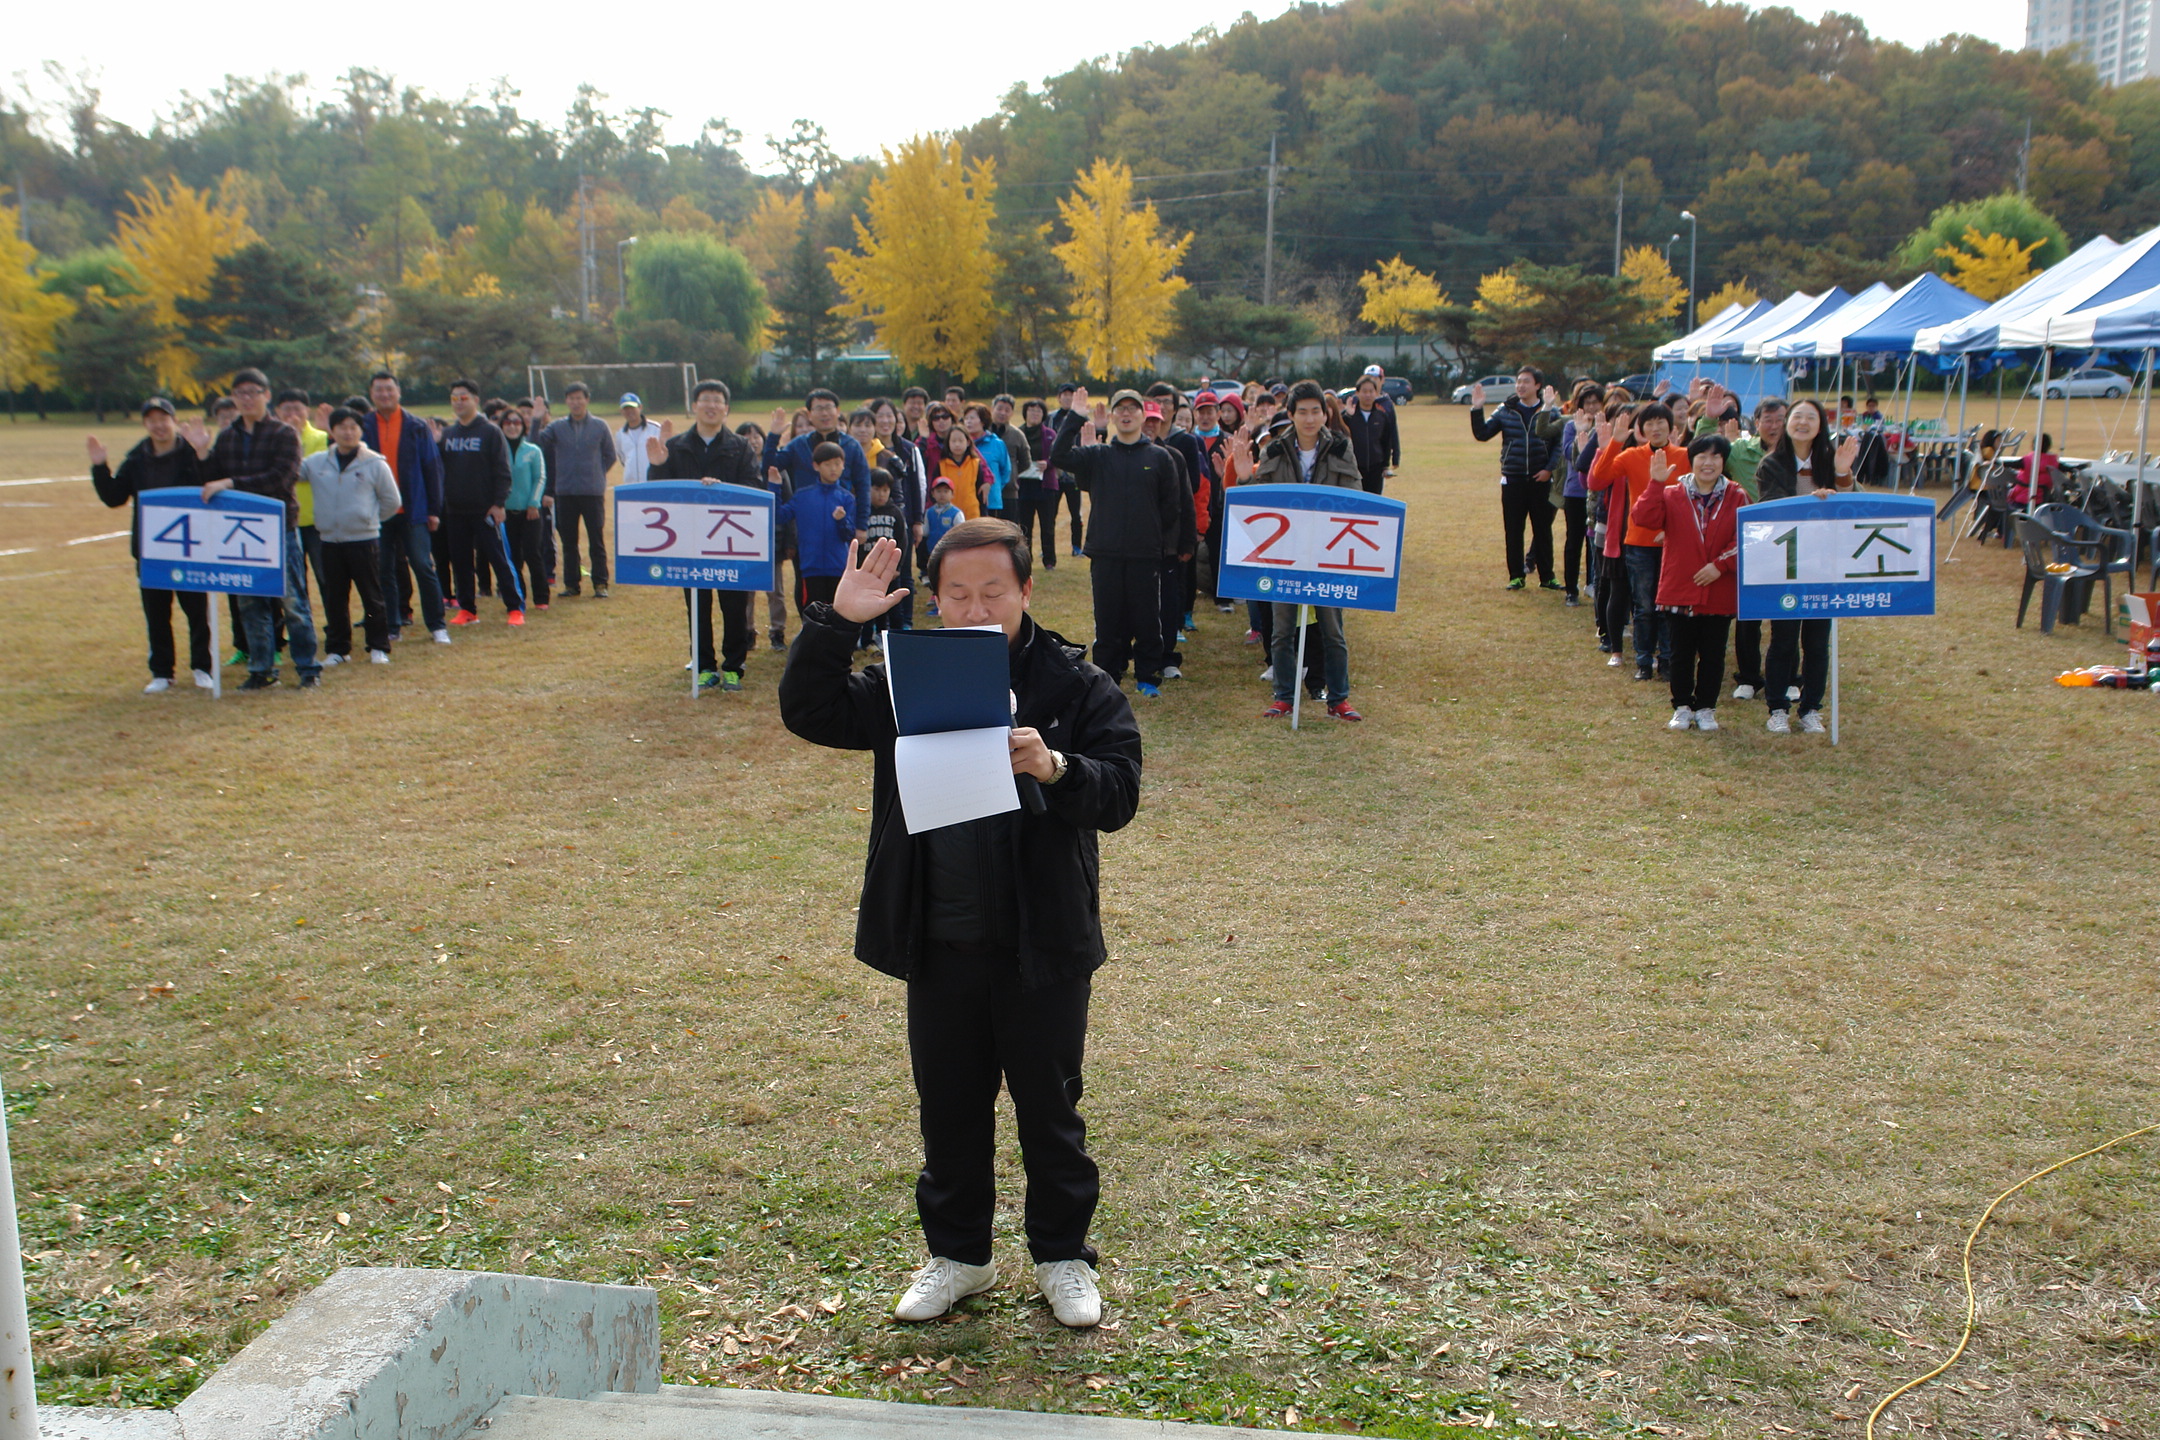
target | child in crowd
x=888, y=522
x=824, y=515
x=939, y=518
x=1698, y=592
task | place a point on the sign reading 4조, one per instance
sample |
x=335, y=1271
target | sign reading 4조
x=690, y=533
x=233, y=542
x=1310, y=545
x=1809, y=559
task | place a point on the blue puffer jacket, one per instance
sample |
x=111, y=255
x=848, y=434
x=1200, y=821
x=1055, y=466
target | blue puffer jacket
x=1522, y=453
x=821, y=542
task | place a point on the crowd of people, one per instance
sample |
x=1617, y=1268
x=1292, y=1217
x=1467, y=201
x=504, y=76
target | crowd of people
x=426, y=518
x=1650, y=491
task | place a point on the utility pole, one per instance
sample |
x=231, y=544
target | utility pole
x=1692, y=228
x=1619, y=208
x=2025, y=156
x=1267, y=270
x=585, y=252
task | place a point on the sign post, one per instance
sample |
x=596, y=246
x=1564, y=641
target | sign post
x=696, y=534
x=1308, y=545
x=233, y=544
x=1847, y=554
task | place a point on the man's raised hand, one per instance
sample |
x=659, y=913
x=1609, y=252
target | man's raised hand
x=864, y=591
x=656, y=450
x=97, y=450
x=777, y=426
x=1477, y=393
x=1080, y=399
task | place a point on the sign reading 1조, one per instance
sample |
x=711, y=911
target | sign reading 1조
x=692, y=534
x=233, y=542
x=1808, y=559
x=1311, y=545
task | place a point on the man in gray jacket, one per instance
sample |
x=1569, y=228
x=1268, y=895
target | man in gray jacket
x=580, y=450
x=354, y=494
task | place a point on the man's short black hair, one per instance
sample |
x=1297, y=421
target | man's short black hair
x=358, y=402
x=1702, y=443
x=1769, y=404
x=250, y=376
x=343, y=413
x=914, y=392
x=577, y=387
x=470, y=387
x=1003, y=399
x=288, y=396
x=1535, y=374
x=221, y=404
x=718, y=387
x=821, y=393
x=827, y=450
x=1307, y=390
x=975, y=535
x=382, y=375
x=1159, y=389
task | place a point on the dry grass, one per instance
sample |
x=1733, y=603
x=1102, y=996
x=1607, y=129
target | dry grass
x=1503, y=1055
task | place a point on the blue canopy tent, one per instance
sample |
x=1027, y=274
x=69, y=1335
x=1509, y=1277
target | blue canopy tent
x=1681, y=362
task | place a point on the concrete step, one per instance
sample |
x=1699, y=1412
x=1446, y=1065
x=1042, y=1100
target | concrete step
x=700, y=1412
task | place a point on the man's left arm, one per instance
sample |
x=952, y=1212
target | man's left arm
x=1101, y=788
x=499, y=470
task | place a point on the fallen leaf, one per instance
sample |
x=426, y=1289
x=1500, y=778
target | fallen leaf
x=1290, y=1416
x=343, y=1218
x=831, y=1306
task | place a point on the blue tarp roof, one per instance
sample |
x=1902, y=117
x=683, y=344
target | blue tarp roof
x=1929, y=300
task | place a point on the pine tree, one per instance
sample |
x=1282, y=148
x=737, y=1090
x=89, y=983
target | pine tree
x=276, y=311
x=804, y=325
x=1123, y=271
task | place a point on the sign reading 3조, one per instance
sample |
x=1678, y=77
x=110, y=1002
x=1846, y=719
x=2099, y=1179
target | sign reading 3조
x=688, y=533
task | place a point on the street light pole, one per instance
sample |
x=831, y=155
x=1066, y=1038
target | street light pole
x=1668, y=248
x=622, y=283
x=1689, y=216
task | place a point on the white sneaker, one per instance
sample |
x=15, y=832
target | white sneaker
x=441, y=637
x=1613, y=659
x=1779, y=725
x=1171, y=672
x=158, y=685
x=940, y=1285
x=330, y=660
x=1268, y=674
x=1706, y=720
x=1069, y=1286
x=379, y=657
x=1811, y=723
x=1743, y=692
x=1682, y=719
x=204, y=680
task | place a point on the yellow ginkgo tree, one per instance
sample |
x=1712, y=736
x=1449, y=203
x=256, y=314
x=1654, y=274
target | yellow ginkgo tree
x=1661, y=291
x=29, y=314
x=922, y=270
x=1989, y=266
x=1399, y=297
x=174, y=238
x=1123, y=268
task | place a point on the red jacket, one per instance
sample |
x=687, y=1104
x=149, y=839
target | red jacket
x=1693, y=540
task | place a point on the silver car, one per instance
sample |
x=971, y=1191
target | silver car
x=2080, y=384
x=1497, y=388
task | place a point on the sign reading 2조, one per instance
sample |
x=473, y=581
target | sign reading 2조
x=688, y=533
x=1311, y=545
x=1809, y=559
x=233, y=542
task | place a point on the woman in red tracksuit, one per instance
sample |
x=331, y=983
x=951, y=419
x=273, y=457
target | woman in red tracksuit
x=1698, y=592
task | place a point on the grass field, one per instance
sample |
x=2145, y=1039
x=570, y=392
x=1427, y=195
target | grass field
x=1504, y=1063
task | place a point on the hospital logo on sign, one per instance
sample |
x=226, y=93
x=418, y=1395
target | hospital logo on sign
x=1267, y=582
x=1788, y=601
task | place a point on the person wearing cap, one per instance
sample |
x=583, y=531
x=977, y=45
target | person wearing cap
x=157, y=460
x=1135, y=516
x=260, y=454
x=630, y=439
x=1176, y=597
x=1374, y=439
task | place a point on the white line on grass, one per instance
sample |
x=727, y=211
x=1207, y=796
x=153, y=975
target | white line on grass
x=48, y=480
x=93, y=539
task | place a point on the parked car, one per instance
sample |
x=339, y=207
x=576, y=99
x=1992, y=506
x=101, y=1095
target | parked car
x=1639, y=386
x=1394, y=387
x=1497, y=388
x=2081, y=383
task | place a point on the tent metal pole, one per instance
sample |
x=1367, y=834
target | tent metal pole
x=2137, y=494
x=1964, y=383
x=2032, y=480
x=1897, y=473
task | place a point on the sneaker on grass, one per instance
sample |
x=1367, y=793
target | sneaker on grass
x=440, y=637
x=1614, y=659
x=1069, y=1286
x=1811, y=723
x=260, y=680
x=158, y=685
x=708, y=680
x=378, y=657
x=204, y=680
x=1148, y=688
x=462, y=616
x=329, y=660
x=1682, y=719
x=1779, y=724
x=1743, y=692
x=1516, y=583
x=1550, y=585
x=731, y=680
x=1275, y=708
x=1341, y=710
x=939, y=1286
x=1171, y=672
x=1706, y=720
x=311, y=682
x=517, y=617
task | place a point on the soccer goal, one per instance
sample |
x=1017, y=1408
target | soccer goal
x=663, y=385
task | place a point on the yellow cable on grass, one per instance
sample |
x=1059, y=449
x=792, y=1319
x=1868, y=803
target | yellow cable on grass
x=1972, y=1305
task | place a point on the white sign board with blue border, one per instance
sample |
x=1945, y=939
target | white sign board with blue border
x=233, y=542
x=1310, y=545
x=692, y=534
x=1832, y=559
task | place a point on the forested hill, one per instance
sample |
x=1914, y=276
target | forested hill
x=1469, y=133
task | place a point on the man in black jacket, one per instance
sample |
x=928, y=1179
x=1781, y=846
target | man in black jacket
x=997, y=970
x=1525, y=475
x=476, y=484
x=260, y=454
x=1134, y=512
x=710, y=451
x=158, y=460
x=1374, y=439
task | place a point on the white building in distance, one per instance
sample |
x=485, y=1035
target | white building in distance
x=2113, y=36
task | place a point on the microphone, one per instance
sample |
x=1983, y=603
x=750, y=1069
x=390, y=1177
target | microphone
x=1031, y=792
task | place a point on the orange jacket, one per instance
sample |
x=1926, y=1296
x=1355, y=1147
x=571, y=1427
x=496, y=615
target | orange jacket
x=1633, y=465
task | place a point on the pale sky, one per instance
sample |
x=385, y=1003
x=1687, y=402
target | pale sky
x=872, y=74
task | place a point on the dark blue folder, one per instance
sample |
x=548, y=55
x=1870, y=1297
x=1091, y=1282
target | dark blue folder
x=948, y=680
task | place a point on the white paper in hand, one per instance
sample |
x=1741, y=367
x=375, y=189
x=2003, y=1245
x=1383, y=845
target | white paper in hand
x=954, y=776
